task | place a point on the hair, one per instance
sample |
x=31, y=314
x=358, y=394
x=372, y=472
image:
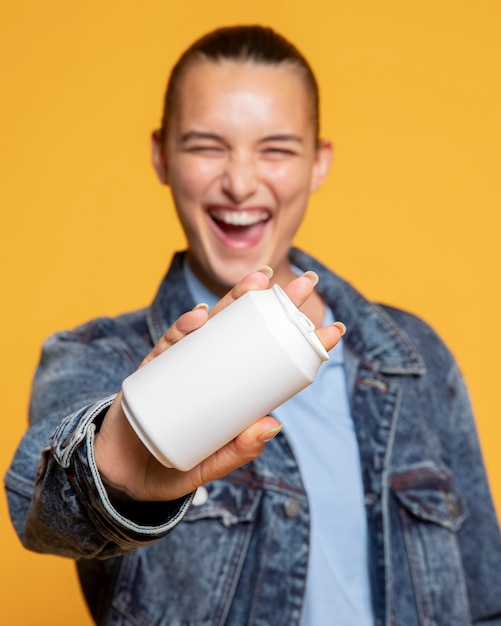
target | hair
x=257, y=44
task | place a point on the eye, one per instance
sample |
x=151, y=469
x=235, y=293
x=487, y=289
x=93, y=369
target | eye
x=205, y=149
x=278, y=151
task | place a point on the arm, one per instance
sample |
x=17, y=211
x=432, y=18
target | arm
x=479, y=537
x=57, y=499
x=91, y=451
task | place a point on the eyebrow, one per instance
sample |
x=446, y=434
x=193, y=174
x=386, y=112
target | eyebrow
x=197, y=135
x=283, y=137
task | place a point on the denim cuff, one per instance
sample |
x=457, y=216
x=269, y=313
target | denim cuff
x=122, y=520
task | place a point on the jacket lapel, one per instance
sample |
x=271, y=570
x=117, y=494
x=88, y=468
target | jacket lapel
x=376, y=352
x=172, y=300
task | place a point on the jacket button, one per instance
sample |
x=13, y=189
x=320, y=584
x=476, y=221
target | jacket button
x=292, y=507
x=370, y=499
x=201, y=496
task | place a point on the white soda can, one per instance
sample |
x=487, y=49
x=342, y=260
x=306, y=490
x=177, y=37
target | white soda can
x=207, y=388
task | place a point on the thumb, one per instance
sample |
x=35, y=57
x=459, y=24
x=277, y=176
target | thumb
x=244, y=448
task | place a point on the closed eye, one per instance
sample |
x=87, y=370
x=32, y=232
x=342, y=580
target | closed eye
x=278, y=152
x=203, y=143
x=281, y=145
x=275, y=150
x=203, y=149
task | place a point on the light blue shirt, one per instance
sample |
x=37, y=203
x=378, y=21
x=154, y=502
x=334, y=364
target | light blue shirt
x=318, y=425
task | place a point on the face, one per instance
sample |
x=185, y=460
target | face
x=241, y=159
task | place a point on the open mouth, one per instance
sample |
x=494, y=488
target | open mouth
x=242, y=227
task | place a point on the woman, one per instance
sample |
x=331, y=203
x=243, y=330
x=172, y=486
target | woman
x=371, y=506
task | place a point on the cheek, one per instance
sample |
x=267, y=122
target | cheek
x=291, y=185
x=191, y=178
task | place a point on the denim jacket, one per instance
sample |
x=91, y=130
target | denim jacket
x=239, y=556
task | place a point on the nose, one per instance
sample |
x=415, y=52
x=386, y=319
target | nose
x=239, y=180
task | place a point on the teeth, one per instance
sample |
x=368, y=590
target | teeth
x=239, y=218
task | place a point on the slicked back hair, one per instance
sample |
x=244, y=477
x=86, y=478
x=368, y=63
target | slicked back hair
x=253, y=43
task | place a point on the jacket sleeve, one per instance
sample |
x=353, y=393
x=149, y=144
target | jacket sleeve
x=452, y=442
x=57, y=501
x=479, y=537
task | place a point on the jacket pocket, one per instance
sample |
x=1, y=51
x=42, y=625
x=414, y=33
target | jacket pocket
x=429, y=495
x=189, y=576
x=431, y=513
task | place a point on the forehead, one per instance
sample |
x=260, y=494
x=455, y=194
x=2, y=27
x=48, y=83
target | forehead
x=242, y=94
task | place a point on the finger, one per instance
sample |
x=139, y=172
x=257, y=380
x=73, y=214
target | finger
x=241, y=450
x=184, y=325
x=330, y=335
x=301, y=288
x=260, y=279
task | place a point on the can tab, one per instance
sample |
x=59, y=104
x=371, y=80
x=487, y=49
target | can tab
x=301, y=321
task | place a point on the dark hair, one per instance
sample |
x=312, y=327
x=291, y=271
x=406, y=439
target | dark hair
x=258, y=44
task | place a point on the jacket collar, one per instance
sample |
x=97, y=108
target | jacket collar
x=373, y=337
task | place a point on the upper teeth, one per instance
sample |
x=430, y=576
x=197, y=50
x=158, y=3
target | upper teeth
x=239, y=218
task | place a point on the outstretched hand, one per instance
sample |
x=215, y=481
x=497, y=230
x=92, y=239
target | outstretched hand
x=126, y=464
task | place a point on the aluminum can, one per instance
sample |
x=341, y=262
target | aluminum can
x=207, y=388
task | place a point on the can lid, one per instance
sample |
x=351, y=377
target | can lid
x=301, y=321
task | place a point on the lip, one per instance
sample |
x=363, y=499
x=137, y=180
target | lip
x=238, y=228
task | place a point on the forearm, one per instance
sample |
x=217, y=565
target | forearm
x=67, y=509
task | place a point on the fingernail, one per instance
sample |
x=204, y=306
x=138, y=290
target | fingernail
x=266, y=269
x=201, y=305
x=313, y=276
x=341, y=327
x=269, y=434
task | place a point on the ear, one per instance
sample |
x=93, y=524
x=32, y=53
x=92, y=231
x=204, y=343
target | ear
x=158, y=156
x=321, y=167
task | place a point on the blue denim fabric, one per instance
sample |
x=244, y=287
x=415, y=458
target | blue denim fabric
x=240, y=557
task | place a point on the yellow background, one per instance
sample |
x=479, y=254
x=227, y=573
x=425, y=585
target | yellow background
x=411, y=213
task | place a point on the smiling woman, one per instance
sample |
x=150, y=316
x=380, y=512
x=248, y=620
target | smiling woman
x=241, y=190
